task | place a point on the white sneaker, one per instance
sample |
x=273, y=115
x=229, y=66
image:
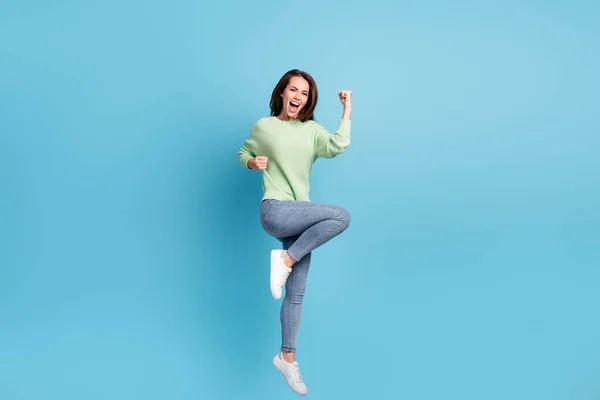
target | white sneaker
x=279, y=273
x=292, y=375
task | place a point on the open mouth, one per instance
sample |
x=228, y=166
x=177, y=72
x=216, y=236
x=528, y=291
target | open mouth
x=293, y=106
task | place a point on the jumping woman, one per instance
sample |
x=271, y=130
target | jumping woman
x=284, y=147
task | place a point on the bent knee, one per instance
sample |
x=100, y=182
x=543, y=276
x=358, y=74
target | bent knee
x=344, y=218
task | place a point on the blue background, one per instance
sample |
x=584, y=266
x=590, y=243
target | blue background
x=132, y=261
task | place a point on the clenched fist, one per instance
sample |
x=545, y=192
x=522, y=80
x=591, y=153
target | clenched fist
x=346, y=98
x=258, y=163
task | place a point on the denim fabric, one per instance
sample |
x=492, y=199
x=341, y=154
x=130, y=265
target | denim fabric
x=301, y=227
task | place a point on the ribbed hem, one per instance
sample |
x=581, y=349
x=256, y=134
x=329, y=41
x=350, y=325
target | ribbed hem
x=273, y=193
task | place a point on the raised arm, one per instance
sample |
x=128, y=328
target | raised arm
x=329, y=145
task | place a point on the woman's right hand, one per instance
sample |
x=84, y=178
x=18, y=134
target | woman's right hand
x=258, y=163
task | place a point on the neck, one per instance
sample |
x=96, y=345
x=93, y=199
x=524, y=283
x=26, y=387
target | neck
x=283, y=117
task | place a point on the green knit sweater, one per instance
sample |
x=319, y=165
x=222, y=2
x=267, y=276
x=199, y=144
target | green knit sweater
x=291, y=147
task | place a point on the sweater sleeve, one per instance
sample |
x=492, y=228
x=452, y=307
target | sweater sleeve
x=248, y=149
x=329, y=145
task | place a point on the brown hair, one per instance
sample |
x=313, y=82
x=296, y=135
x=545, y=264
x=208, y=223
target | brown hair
x=307, y=112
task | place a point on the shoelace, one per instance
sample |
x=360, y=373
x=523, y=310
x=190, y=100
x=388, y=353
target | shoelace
x=297, y=373
x=283, y=279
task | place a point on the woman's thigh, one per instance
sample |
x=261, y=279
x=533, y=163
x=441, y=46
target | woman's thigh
x=282, y=219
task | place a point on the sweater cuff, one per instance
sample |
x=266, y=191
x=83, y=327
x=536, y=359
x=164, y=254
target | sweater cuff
x=244, y=158
x=345, y=124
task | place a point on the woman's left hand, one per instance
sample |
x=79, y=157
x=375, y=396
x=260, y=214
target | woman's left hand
x=346, y=98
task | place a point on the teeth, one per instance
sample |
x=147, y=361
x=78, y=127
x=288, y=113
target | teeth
x=294, y=103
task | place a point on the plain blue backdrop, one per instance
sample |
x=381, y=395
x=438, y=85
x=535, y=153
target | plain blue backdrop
x=132, y=261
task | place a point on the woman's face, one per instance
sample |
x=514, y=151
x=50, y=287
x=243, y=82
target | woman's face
x=295, y=97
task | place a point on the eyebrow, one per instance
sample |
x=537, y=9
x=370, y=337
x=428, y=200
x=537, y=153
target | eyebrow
x=306, y=91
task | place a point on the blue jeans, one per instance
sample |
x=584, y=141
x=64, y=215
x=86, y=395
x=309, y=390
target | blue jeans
x=301, y=227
